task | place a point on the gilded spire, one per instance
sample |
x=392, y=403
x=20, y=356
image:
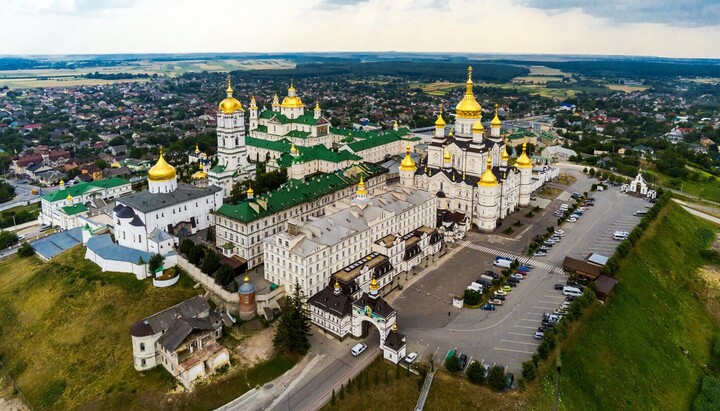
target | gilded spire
x=496, y=120
x=395, y=327
x=447, y=157
x=440, y=123
x=488, y=179
x=361, y=191
x=374, y=284
x=317, y=105
x=523, y=161
x=253, y=104
x=229, y=88
x=407, y=163
x=469, y=82
x=197, y=149
x=246, y=279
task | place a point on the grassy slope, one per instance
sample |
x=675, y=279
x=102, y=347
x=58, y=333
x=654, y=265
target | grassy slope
x=65, y=328
x=627, y=356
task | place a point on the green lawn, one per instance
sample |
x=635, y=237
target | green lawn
x=709, y=190
x=627, y=355
x=65, y=339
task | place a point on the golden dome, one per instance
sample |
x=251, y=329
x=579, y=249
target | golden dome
x=317, y=105
x=505, y=156
x=253, y=104
x=197, y=149
x=488, y=178
x=373, y=284
x=440, y=123
x=468, y=106
x=361, y=191
x=291, y=101
x=293, y=150
x=395, y=327
x=62, y=182
x=407, y=164
x=69, y=198
x=246, y=279
x=337, y=284
x=230, y=104
x=161, y=171
x=496, y=120
x=478, y=127
x=250, y=191
x=523, y=161
x=447, y=157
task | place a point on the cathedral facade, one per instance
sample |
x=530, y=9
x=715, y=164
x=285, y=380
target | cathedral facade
x=468, y=168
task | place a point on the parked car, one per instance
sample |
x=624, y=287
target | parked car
x=358, y=349
x=572, y=220
x=539, y=335
x=488, y=307
x=45, y=227
x=549, y=242
x=559, y=286
x=517, y=276
x=501, y=292
x=463, y=361
x=509, y=379
x=411, y=357
x=539, y=254
x=492, y=274
x=495, y=301
x=560, y=232
x=506, y=289
x=497, y=296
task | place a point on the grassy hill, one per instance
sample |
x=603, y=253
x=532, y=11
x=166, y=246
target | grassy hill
x=628, y=355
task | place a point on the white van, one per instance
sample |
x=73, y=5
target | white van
x=640, y=213
x=476, y=287
x=571, y=291
x=564, y=207
x=358, y=349
x=502, y=263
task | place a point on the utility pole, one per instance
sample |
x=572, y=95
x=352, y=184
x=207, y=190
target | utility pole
x=558, y=365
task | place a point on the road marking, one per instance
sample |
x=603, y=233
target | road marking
x=525, y=326
x=529, y=319
x=524, y=335
x=548, y=302
x=468, y=363
x=554, y=296
x=507, y=349
x=545, y=308
x=518, y=342
x=537, y=314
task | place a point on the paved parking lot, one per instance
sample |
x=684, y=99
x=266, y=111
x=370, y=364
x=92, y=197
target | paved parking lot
x=505, y=336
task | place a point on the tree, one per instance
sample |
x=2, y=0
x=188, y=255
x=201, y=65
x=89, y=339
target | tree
x=224, y=275
x=25, y=250
x=529, y=370
x=475, y=373
x=342, y=392
x=196, y=254
x=156, y=261
x=496, y=378
x=592, y=172
x=211, y=262
x=291, y=334
x=210, y=235
x=453, y=363
x=186, y=245
x=102, y=164
x=7, y=239
x=332, y=399
x=471, y=297
x=585, y=170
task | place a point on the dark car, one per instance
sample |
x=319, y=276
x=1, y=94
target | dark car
x=511, y=284
x=653, y=200
x=499, y=297
x=488, y=307
x=492, y=274
x=559, y=286
x=509, y=379
x=463, y=361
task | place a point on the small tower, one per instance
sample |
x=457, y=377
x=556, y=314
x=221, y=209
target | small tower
x=477, y=132
x=253, y=114
x=62, y=184
x=504, y=157
x=361, y=193
x=276, y=103
x=524, y=164
x=447, y=159
x=297, y=167
x=68, y=200
x=407, y=169
x=374, y=288
x=317, y=113
x=396, y=127
x=336, y=288
x=247, y=306
x=488, y=193
x=440, y=125
x=250, y=193
x=495, y=124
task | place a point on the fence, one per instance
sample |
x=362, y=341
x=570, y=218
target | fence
x=208, y=282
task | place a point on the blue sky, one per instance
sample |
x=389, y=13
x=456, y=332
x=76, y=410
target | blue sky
x=680, y=28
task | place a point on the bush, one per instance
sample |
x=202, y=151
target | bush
x=156, y=261
x=529, y=370
x=211, y=262
x=186, y=245
x=709, y=396
x=475, y=373
x=7, y=239
x=471, y=297
x=25, y=250
x=224, y=275
x=453, y=363
x=196, y=254
x=496, y=378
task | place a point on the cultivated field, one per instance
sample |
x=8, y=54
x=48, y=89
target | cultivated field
x=627, y=89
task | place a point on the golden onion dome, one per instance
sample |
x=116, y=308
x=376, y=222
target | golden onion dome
x=496, y=120
x=505, y=156
x=291, y=102
x=447, y=157
x=250, y=191
x=253, y=103
x=523, y=161
x=197, y=149
x=488, y=179
x=161, y=171
x=62, y=183
x=478, y=127
x=293, y=149
x=361, y=191
x=374, y=284
x=408, y=164
x=440, y=123
x=69, y=197
x=468, y=106
x=395, y=327
x=230, y=104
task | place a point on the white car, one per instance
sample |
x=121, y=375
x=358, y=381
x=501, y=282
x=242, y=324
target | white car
x=560, y=232
x=539, y=254
x=358, y=349
x=411, y=357
x=600, y=188
x=572, y=220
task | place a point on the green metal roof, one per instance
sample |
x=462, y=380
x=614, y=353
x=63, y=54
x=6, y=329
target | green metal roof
x=217, y=169
x=298, y=134
x=262, y=129
x=296, y=192
x=319, y=152
x=82, y=188
x=74, y=209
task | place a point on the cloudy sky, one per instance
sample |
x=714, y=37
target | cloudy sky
x=679, y=28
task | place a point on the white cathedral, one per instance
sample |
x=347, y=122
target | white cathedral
x=468, y=168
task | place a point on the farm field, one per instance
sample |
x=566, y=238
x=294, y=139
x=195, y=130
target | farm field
x=16, y=79
x=627, y=89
